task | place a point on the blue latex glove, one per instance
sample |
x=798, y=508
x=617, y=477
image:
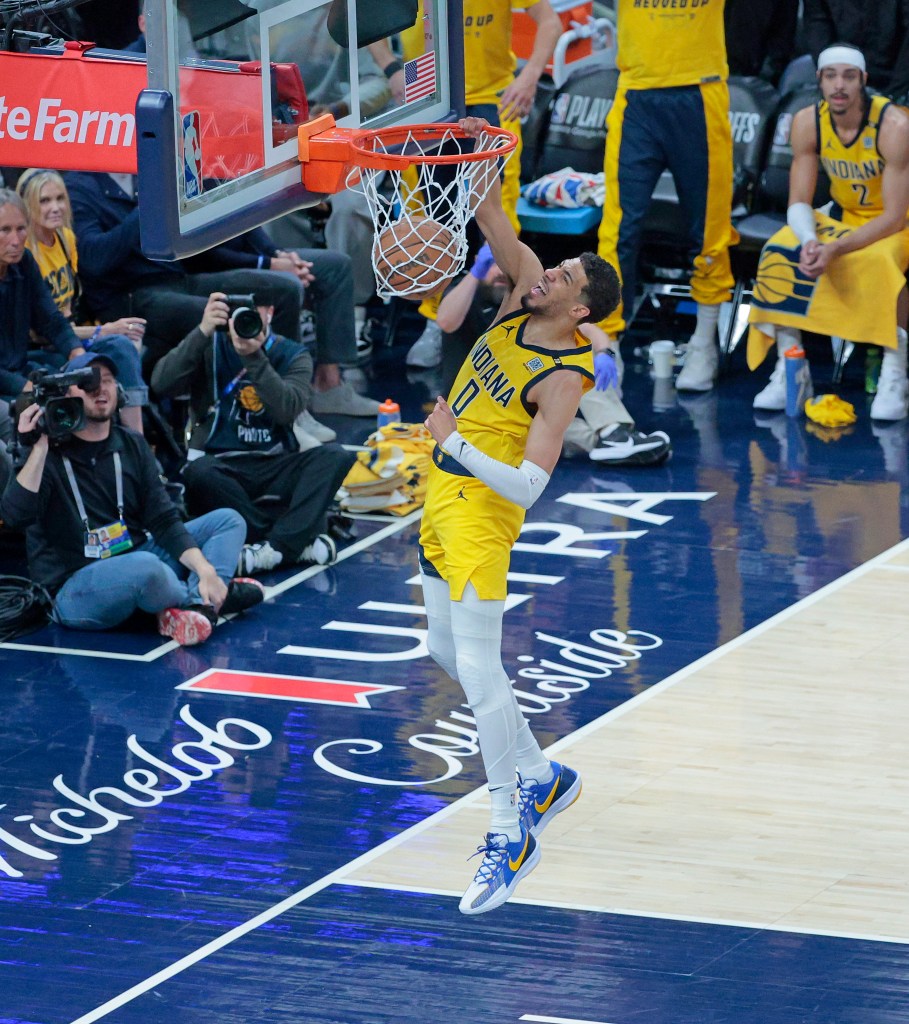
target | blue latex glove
x=605, y=371
x=484, y=260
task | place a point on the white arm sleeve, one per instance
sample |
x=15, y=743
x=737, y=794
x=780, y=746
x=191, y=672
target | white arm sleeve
x=521, y=484
x=800, y=217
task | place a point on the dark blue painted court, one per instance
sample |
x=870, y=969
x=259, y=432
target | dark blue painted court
x=167, y=817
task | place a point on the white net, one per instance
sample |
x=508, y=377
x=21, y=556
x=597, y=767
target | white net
x=420, y=212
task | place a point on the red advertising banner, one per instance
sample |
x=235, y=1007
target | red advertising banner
x=69, y=112
x=76, y=113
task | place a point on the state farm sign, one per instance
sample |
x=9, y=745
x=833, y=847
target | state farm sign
x=51, y=120
x=69, y=112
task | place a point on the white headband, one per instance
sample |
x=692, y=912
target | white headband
x=841, y=55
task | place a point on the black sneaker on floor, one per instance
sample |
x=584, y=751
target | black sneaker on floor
x=622, y=445
x=242, y=593
x=341, y=527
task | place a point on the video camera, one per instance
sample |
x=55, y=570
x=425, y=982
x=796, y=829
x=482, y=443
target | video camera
x=244, y=315
x=62, y=414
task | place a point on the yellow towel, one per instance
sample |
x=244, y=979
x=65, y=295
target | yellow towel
x=830, y=411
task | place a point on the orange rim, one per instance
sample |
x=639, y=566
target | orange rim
x=362, y=144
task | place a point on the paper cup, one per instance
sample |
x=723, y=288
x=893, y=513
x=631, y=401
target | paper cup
x=662, y=356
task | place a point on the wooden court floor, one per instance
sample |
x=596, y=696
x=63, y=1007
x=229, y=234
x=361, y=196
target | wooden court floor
x=766, y=785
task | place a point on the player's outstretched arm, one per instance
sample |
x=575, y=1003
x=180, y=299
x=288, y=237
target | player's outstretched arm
x=517, y=261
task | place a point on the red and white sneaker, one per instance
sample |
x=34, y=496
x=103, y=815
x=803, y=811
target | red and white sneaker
x=188, y=626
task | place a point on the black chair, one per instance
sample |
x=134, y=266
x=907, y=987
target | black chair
x=798, y=74
x=533, y=129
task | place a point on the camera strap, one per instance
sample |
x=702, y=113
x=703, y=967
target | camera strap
x=112, y=539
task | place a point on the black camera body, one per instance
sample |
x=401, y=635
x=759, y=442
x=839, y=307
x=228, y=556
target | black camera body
x=244, y=315
x=62, y=414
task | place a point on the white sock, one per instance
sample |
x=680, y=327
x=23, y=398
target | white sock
x=504, y=818
x=708, y=318
x=532, y=763
x=894, y=359
x=786, y=337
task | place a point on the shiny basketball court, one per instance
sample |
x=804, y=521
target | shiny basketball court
x=275, y=826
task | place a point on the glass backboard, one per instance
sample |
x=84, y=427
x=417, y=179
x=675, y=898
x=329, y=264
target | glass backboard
x=217, y=137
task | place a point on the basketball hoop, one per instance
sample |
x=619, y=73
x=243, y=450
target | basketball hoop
x=420, y=211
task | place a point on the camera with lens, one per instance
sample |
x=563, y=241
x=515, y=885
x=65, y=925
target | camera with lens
x=244, y=315
x=62, y=414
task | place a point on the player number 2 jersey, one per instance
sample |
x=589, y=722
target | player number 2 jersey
x=856, y=170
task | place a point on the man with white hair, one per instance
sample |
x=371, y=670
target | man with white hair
x=841, y=275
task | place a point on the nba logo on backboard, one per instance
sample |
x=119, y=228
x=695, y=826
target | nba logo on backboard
x=192, y=155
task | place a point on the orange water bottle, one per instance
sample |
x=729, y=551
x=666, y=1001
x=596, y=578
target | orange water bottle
x=389, y=412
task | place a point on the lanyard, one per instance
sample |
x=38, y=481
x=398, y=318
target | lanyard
x=118, y=477
x=231, y=387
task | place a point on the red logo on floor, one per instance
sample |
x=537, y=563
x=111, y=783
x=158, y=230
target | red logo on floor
x=300, y=688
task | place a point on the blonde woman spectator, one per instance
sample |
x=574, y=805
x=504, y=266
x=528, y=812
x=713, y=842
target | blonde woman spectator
x=51, y=240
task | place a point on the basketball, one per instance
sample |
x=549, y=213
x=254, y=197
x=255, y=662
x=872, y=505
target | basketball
x=415, y=256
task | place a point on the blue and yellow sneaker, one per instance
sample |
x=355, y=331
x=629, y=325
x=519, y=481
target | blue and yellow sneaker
x=504, y=865
x=540, y=803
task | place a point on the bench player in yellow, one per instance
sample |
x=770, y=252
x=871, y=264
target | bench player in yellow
x=498, y=438
x=671, y=110
x=844, y=274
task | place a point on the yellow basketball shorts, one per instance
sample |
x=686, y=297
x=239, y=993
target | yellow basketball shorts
x=467, y=535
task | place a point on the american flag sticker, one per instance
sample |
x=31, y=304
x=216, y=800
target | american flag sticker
x=420, y=77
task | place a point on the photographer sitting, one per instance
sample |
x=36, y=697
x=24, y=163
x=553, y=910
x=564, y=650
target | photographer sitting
x=247, y=385
x=102, y=534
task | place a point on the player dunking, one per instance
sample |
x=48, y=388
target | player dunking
x=497, y=443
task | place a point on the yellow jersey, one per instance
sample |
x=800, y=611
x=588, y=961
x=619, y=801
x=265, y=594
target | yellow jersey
x=58, y=264
x=468, y=529
x=856, y=170
x=489, y=62
x=665, y=43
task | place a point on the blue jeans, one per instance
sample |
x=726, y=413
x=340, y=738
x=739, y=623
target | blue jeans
x=105, y=593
